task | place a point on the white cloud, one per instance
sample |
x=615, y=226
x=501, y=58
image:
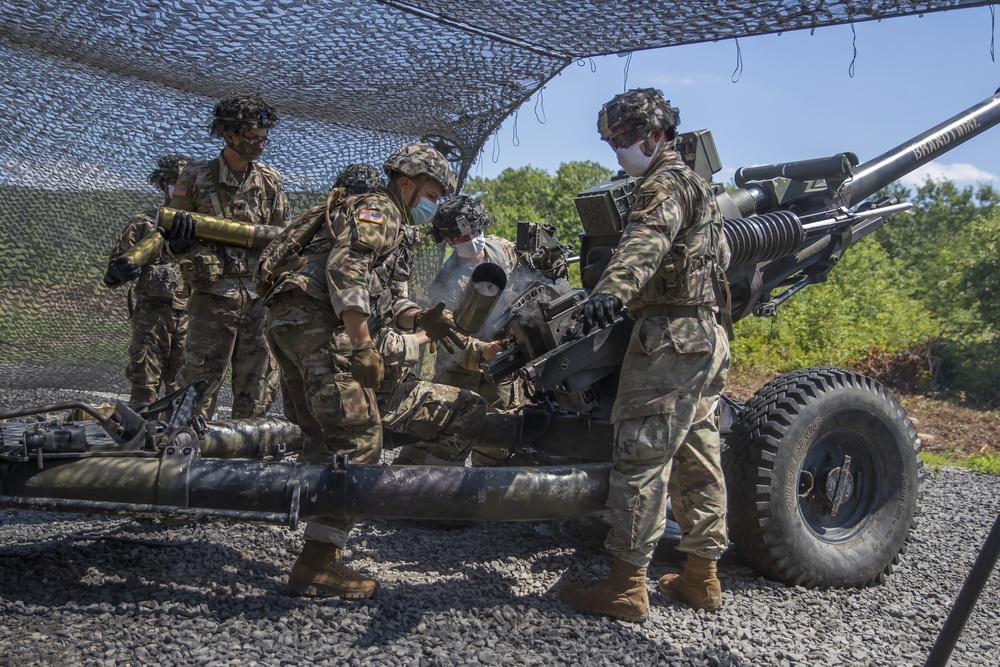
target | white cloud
x=670, y=81
x=960, y=172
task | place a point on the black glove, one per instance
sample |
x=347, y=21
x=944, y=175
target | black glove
x=439, y=325
x=598, y=311
x=367, y=367
x=120, y=271
x=183, y=234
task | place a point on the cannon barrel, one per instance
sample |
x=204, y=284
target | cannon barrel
x=256, y=437
x=259, y=489
x=879, y=172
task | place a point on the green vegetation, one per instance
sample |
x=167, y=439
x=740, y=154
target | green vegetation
x=985, y=463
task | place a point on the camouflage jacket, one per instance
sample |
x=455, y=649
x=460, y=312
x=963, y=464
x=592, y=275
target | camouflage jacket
x=160, y=279
x=351, y=261
x=672, y=243
x=212, y=189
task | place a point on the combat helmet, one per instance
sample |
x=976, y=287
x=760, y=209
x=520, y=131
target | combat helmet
x=360, y=178
x=417, y=159
x=242, y=112
x=459, y=216
x=168, y=168
x=639, y=108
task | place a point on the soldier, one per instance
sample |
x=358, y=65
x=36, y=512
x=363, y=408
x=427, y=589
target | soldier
x=330, y=297
x=226, y=324
x=459, y=222
x=159, y=322
x=666, y=271
x=357, y=179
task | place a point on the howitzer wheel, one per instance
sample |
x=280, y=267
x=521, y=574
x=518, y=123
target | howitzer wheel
x=823, y=476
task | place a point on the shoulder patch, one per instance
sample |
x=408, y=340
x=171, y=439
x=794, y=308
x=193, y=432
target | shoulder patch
x=180, y=191
x=370, y=215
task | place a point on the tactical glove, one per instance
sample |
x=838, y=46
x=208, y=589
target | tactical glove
x=183, y=234
x=120, y=271
x=598, y=311
x=439, y=325
x=367, y=368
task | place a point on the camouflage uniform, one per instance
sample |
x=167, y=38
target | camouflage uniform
x=159, y=320
x=226, y=317
x=351, y=265
x=666, y=409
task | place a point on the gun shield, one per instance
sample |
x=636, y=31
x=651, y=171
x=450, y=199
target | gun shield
x=488, y=282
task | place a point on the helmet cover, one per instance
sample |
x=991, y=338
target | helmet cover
x=458, y=216
x=168, y=168
x=643, y=108
x=359, y=178
x=417, y=159
x=237, y=113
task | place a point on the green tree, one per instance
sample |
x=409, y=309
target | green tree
x=932, y=241
x=981, y=273
x=535, y=195
x=862, y=304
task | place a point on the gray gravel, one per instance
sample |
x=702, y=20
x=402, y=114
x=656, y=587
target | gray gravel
x=480, y=594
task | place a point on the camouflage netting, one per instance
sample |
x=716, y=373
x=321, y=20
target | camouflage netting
x=93, y=93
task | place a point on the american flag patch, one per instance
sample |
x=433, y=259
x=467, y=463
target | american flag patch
x=180, y=191
x=370, y=215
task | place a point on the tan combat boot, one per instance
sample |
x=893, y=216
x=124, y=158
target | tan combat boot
x=697, y=584
x=318, y=571
x=622, y=595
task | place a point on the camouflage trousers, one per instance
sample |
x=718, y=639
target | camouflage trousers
x=501, y=396
x=158, y=335
x=666, y=419
x=222, y=332
x=337, y=415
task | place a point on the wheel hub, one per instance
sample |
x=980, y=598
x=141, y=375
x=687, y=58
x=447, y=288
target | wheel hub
x=839, y=486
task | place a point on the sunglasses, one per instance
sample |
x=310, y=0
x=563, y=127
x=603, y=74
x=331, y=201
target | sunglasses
x=627, y=138
x=257, y=141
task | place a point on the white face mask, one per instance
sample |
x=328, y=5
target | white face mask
x=470, y=249
x=633, y=161
x=170, y=191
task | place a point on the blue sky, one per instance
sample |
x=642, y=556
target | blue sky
x=795, y=98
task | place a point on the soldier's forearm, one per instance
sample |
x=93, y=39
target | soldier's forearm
x=356, y=324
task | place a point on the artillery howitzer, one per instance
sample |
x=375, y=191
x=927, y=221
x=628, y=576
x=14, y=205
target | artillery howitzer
x=821, y=464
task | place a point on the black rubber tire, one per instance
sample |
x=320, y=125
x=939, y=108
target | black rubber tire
x=793, y=433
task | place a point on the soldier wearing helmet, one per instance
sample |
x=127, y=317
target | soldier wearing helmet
x=226, y=317
x=356, y=179
x=667, y=272
x=460, y=222
x=332, y=305
x=159, y=319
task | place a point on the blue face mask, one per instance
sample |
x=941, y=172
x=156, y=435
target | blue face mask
x=423, y=212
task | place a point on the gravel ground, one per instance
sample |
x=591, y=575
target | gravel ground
x=480, y=594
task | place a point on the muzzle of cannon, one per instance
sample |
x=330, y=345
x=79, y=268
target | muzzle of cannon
x=485, y=287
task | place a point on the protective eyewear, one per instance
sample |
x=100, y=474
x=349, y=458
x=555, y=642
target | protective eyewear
x=256, y=141
x=627, y=138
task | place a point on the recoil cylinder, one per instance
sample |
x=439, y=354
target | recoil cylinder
x=760, y=238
